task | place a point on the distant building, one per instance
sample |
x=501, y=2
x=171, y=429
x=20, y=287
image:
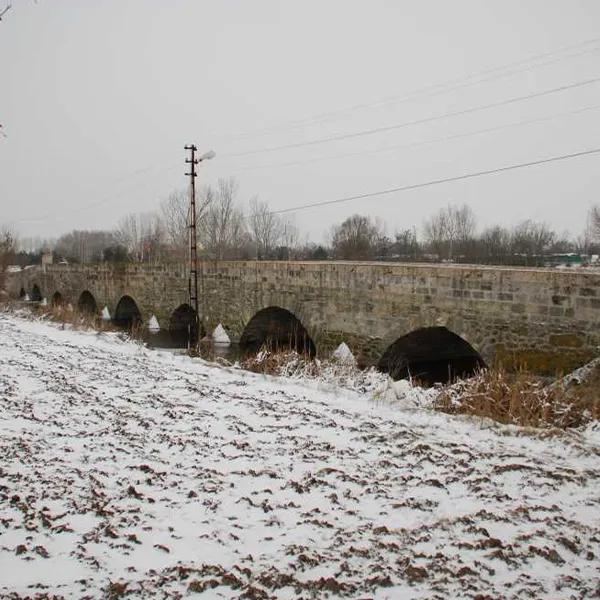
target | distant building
x=570, y=259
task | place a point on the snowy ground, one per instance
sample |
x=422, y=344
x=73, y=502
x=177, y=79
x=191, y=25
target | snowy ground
x=120, y=465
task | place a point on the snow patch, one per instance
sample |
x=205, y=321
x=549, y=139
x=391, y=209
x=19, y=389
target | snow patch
x=153, y=324
x=44, y=302
x=105, y=314
x=219, y=335
x=343, y=354
x=167, y=475
x=405, y=394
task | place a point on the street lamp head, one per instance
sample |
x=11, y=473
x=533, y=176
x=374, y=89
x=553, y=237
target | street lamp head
x=207, y=155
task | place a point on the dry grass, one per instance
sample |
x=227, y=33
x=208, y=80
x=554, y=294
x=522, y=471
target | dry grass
x=522, y=399
x=84, y=320
x=75, y=318
x=293, y=365
x=511, y=398
x=276, y=362
x=67, y=316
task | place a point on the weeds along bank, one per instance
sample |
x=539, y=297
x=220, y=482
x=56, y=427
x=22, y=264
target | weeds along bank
x=521, y=399
x=510, y=398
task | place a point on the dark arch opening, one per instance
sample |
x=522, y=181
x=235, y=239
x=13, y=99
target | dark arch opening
x=183, y=325
x=87, y=304
x=127, y=313
x=430, y=355
x=57, y=300
x=277, y=329
x=36, y=294
x=22, y=294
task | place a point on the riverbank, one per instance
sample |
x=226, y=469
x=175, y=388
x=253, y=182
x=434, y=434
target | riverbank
x=515, y=398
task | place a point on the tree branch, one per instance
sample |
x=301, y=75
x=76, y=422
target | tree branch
x=8, y=7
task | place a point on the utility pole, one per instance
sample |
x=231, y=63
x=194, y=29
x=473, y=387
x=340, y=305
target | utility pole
x=193, y=277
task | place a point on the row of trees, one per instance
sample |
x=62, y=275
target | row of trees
x=224, y=229
x=229, y=230
x=451, y=235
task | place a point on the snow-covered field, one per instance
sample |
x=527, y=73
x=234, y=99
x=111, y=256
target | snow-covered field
x=130, y=471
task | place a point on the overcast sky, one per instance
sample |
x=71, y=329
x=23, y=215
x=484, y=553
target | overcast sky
x=97, y=100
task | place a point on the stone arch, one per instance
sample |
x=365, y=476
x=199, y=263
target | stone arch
x=36, y=294
x=87, y=303
x=430, y=355
x=127, y=313
x=57, y=300
x=182, y=323
x=277, y=328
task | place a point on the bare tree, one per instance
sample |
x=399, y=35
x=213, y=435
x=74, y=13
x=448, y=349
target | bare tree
x=7, y=251
x=450, y=231
x=595, y=222
x=266, y=228
x=463, y=223
x=585, y=241
x=495, y=244
x=531, y=238
x=153, y=237
x=222, y=226
x=356, y=238
x=175, y=215
x=142, y=234
x=82, y=246
x=562, y=244
x=175, y=210
x=290, y=238
x=127, y=233
x=435, y=230
x=5, y=10
x=405, y=244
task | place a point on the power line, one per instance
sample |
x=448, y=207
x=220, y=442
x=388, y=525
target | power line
x=486, y=79
x=432, y=182
x=375, y=130
x=406, y=187
x=416, y=144
x=482, y=76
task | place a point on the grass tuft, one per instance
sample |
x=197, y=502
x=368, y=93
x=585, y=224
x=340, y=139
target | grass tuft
x=523, y=399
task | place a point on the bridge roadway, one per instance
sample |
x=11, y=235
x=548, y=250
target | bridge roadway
x=401, y=316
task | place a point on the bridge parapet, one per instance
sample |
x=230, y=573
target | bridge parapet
x=548, y=318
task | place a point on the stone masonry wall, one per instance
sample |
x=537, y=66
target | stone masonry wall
x=546, y=318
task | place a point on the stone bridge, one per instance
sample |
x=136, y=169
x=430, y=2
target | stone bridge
x=400, y=316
